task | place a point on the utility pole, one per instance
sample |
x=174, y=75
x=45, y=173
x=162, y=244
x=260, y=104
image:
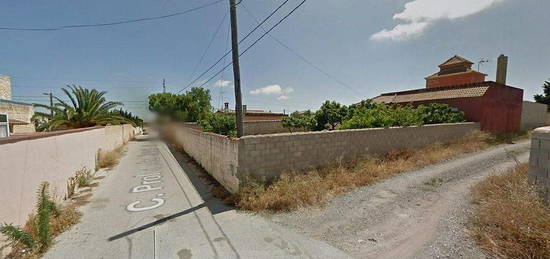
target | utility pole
x=51, y=105
x=163, y=86
x=236, y=69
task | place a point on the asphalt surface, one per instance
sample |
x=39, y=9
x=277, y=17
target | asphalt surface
x=152, y=206
x=418, y=214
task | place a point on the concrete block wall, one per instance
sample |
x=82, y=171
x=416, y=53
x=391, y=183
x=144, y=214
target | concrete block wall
x=266, y=127
x=217, y=154
x=539, y=161
x=27, y=161
x=533, y=115
x=265, y=157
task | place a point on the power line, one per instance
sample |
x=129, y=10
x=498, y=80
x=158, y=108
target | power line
x=209, y=45
x=304, y=59
x=255, y=42
x=111, y=23
x=229, y=52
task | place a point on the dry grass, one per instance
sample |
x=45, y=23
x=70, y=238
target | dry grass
x=110, y=159
x=511, y=220
x=316, y=186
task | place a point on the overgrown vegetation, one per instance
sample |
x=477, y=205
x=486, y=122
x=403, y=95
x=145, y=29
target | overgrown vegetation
x=315, y=186
x=82, y=178
x=300, y=120
x=85, y=108
x=191, y=106
x=220, y=123
x=49, y=221
x=511, y=220
x=130, y=118
x=110, y=159
x=366, y=114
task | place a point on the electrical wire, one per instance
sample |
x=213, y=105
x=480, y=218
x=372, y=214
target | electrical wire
x=304, y=59
x=229, y=52
x=209, y=45
x=254, y=43
x=112, y=23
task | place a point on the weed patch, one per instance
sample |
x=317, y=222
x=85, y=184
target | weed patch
x=316, y=186
x=38, y=232
x=510, y=220
x=110, y=159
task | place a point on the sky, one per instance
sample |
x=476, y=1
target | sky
x=343, y=50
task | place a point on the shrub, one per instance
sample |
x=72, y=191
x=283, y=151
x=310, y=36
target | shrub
x=330, y=115
x=220, y=123
x=381, y=115
x=300, y=120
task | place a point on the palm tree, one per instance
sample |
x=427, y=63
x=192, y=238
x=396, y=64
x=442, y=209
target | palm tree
x=86, y=108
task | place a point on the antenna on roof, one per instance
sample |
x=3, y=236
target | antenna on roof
x=480, y=62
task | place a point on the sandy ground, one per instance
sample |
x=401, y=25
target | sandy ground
x=418, y=214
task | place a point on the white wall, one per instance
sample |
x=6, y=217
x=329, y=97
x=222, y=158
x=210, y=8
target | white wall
x=27, y=161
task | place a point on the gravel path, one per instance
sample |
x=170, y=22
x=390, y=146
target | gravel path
x=418, y=214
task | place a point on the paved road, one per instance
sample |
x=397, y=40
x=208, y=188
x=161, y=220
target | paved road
x=151, y=207
x=418, y=214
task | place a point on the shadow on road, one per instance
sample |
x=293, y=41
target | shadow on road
x=201, y=181
x=154, y=223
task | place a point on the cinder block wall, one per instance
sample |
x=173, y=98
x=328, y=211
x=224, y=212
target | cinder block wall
x=217, y=154
x=539, y=160
x=266, y=127
x=265, y=157
x=533, y=115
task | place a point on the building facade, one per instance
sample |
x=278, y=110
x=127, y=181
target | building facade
x=497, y=106
x=19, y=114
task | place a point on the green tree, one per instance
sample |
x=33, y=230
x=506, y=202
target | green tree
x=85, y=108
x=545, y=99
x=191, y=106
x=130, y=118
x=220, y=123
x=300, y=120
x=330, y=115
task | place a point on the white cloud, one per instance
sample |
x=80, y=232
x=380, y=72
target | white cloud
x=283, y=97
x=420, y=14
x=222, y=83
x=267, y=90
x=288, y=90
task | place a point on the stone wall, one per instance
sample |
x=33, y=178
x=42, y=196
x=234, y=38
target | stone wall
x=265, y=157
x=539, y=160
x=533, y=115
x=5, y=87
x=53, y=157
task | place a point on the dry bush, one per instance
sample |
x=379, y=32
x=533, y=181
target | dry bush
x=510, y=219
x=110, y=159
x=313, y=187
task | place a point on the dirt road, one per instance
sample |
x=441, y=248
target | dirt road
x=419, y=214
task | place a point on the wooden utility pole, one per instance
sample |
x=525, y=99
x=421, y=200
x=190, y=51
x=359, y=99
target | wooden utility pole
x=51, y=105
x=236, y=69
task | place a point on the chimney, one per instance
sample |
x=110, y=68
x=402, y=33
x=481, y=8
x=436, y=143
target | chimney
x=226, y=106
x=5, y=87
x=502, y=67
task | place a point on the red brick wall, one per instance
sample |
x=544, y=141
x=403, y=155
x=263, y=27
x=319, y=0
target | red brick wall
x=456, y=79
